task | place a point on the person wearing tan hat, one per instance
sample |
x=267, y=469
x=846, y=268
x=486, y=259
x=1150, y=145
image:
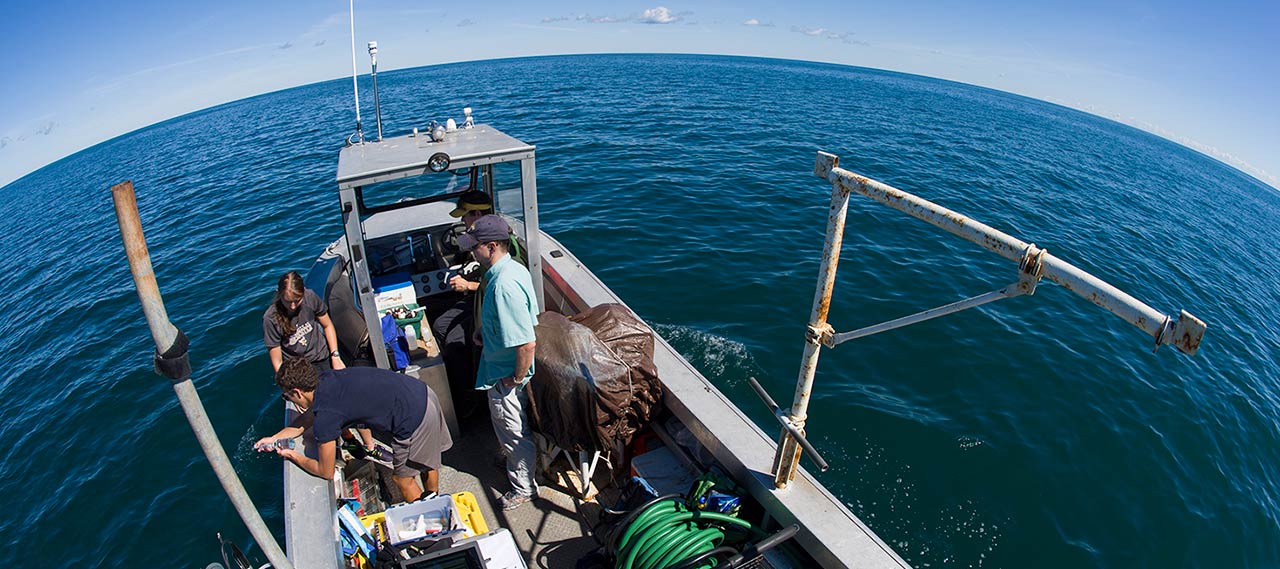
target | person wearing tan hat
x=472, y=204
x=455, y=327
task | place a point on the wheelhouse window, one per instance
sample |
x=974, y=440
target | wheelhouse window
x=508, y=194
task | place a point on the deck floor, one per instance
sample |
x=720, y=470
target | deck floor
x=553, y=531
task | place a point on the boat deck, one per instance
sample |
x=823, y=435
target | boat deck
x=562, y=523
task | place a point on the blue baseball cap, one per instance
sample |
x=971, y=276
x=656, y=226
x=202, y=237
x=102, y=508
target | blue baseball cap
x=487, y=229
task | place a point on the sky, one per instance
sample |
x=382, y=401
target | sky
x=1203, y=74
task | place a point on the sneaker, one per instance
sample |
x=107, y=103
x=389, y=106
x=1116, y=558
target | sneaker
x=378, y=454
x=512, y=500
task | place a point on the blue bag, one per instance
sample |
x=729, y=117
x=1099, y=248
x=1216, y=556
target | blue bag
x=393, y=338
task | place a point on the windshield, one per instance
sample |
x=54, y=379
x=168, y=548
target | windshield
x=442, y=185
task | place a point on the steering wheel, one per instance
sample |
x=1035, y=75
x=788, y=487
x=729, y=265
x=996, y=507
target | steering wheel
x=447, y=245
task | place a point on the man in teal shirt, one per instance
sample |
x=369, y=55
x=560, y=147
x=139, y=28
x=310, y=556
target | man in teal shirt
x=507, y=318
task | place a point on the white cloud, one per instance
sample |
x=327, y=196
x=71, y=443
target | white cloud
x=844, y=37
x=334, y=21
x=751, y=22
x=598, y=19
x=659, y=15
x=544, y=27
x=550, y=19
x=811, y=32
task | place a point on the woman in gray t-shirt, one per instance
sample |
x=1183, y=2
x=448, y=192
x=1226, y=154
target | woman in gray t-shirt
x=297, y=325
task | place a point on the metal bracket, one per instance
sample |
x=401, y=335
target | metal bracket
x=790, y=426
x=1030, y=268
x=824, y=164
x=821, y=334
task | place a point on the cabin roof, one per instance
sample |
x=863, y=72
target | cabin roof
x=407, y=156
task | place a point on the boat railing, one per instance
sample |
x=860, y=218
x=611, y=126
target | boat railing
x=1184, y=332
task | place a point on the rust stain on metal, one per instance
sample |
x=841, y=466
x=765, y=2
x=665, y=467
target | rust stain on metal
x=824, y=306
x=990, y=242
x=956, y=218
x=1188, y=343
x=824, y=163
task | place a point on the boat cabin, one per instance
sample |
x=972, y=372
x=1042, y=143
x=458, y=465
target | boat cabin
x=395, y=197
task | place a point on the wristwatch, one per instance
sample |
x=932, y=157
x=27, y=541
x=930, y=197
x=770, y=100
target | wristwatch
x=333, y=354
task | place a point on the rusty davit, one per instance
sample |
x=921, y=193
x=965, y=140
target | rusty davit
x=1033, y=264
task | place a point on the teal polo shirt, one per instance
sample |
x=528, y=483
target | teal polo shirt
x=507, y=318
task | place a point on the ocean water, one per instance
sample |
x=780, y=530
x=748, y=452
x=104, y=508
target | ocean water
x=1034, y=432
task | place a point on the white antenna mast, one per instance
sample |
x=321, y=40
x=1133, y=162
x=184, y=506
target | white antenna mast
x=355, y=87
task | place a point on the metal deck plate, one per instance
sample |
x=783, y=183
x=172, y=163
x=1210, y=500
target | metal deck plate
x=562, y=523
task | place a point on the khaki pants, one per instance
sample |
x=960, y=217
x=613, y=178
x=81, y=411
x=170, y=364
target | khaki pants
x=511, y=425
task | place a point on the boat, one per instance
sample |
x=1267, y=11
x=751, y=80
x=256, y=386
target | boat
x=395, y=196
x=394, y=259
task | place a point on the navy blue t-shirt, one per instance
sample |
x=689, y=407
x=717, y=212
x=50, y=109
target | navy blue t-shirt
x=382, y=400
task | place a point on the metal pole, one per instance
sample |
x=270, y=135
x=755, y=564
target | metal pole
x=1185, y=333
x=165, y=335
x=377, y=107
x=787, y=458
x=781, y=416
x=355, y=85
x=1007, y=292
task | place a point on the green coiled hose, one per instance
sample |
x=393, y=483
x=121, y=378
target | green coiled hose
x=668, y=531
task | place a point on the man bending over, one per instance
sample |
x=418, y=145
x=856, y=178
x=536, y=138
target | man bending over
x=395, y=406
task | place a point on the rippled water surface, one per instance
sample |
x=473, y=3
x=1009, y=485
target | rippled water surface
x=1035, y=432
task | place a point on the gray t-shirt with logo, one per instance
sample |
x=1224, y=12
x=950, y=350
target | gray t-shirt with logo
x=307, y=340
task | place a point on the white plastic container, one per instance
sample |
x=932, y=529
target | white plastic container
x=407, y=522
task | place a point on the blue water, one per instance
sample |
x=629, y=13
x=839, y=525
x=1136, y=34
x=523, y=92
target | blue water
x=1035, y=432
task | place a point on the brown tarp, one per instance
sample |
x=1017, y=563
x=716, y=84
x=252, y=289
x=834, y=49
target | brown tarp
x=595, y=382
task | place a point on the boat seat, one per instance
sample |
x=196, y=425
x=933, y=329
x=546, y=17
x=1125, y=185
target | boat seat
x=353, y=334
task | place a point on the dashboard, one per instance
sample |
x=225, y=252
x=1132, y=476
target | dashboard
x=427, y=257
